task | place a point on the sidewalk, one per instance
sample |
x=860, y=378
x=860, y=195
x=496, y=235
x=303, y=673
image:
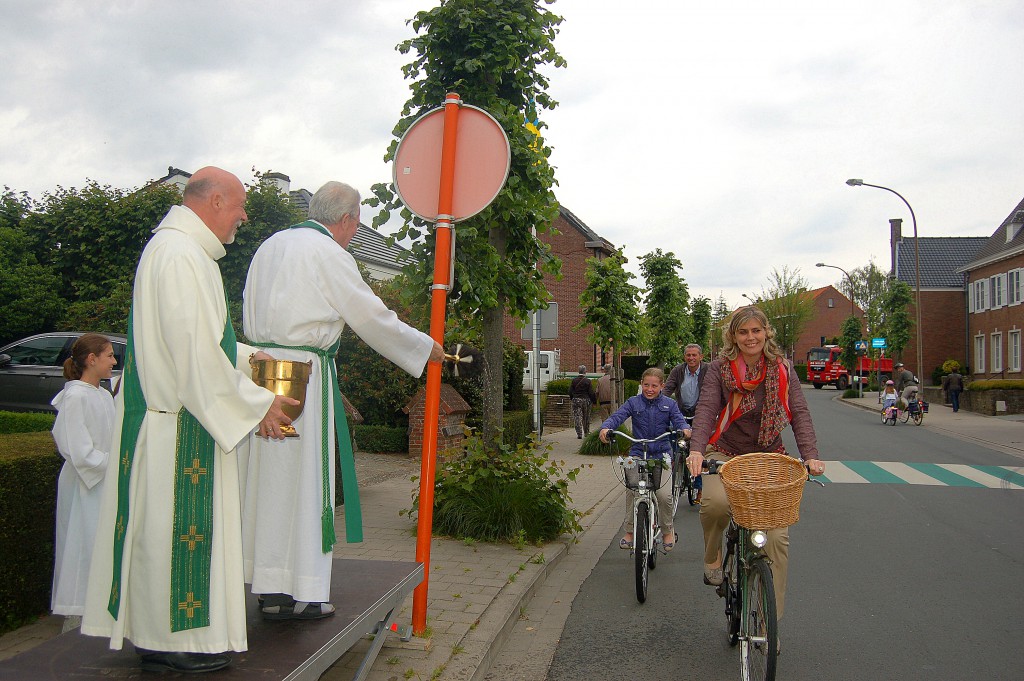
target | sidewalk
x=477, y=592
x=1003, y=433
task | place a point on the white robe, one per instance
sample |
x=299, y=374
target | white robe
x=179, y=315
x=85, y=417
x=302, y=289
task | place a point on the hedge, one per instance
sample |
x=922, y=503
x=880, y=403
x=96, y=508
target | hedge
x=518, y=426
x=559, y=386
x=29, y=466
x=27, y=422
x=996, y=384
x=382, y=439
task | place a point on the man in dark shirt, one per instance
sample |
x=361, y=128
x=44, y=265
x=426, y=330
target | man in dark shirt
x=686, y=380
x=581, y=391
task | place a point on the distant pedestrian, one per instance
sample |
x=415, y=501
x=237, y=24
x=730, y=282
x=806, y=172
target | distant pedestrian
x=605, y=390
x=85, y=419
x=581, y=391
x=955, y=387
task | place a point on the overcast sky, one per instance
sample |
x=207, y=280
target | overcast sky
x=721, y=131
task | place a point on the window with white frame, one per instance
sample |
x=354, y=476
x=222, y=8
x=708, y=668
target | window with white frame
x=831, y=302
x=980, y=295
x=1013, y=350
x=997, y=296
x=1013, y=287
x=997, y=352
x=979, y=354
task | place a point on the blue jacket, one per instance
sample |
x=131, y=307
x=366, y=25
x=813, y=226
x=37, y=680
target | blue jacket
x=651, y=418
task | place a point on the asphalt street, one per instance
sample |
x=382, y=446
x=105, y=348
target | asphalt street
x=887, y=581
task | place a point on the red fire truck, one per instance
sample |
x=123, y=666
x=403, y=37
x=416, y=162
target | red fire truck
x=824, y=368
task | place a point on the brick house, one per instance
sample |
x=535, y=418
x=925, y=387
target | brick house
x=831, y=308
x=994, y=311
x=943, y=295
x=574, y=243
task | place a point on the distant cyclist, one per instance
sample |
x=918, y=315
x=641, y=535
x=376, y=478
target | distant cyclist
x=684, y=384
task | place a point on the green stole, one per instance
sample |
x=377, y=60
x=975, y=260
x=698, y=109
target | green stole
x=329, y=381
x=192, y=529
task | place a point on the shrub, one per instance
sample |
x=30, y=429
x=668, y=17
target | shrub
x=27, y=422
x=996, y=384
x=29, y=467
x=559, y=386
x=801, y=372
x=510, y=494
x=630, y=387
x=592, y=444
x=850, y=392
x=382, y=439
x=517, y=427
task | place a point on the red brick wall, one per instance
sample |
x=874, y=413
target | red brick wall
x=451, y=417
x=574, y=348
x=1004, y=319
x=827, y=321
x=942, y=331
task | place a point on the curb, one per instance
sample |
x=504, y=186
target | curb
x=484, y=643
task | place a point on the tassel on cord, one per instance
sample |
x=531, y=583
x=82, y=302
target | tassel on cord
x=464, y=361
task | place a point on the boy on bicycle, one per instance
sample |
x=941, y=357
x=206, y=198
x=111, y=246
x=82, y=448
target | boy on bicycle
x=652, y=414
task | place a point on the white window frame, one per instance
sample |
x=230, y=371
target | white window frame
x=997, y=352
x=1013, y=286
x=979, y=354
x=1013, y=350
x=980, y=296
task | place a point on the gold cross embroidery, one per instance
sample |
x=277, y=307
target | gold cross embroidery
x=192, y=538
x=195, y=471
x=125, y=462
x=120, y=527
x=115, y=592
x=190, y=605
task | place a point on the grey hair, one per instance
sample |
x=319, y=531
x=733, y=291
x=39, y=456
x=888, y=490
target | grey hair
x=332, y=202
x=694, y=345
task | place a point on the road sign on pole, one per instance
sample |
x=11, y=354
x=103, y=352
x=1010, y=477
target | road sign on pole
x=878, y=343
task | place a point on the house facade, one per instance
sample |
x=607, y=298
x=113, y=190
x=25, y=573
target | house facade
x=943, y=295
x=995, y=313
x=574, y=244
x=831, y=308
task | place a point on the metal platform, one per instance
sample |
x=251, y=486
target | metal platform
x=366, y=593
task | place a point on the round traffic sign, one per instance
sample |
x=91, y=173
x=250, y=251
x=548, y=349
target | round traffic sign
x=482, y=161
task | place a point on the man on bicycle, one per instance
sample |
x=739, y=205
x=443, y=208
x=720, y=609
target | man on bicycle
x=684, y=384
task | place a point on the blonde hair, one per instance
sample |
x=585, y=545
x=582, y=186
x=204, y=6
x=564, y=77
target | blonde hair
x=654, y=371
x=741, y=316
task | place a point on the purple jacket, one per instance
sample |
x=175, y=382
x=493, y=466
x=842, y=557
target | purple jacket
x=651, y=418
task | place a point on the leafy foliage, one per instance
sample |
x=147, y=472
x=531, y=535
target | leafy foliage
x=503, y=494
x=897, y=321
x=849, y=336
x=610, y=303
x=381, y=438
x=491, y=52
x=667, y=307
x=702, y=324
x=787, y=306
x=869, y=287
x=30, y=290
x=25, y=422
x=996, y=384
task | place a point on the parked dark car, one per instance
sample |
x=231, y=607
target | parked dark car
x=32, y=369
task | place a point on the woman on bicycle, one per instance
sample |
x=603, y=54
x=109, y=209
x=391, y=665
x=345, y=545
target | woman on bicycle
x=653, y=414
x=750, y=395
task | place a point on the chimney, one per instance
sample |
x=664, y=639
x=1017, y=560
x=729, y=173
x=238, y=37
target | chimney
x=282, y=181
x=895, y=237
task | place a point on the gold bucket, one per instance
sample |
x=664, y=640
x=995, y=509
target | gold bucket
x=284, y=377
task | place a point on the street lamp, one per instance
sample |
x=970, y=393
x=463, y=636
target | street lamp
x=848, y=278
x=752, y=301
x=917, y=268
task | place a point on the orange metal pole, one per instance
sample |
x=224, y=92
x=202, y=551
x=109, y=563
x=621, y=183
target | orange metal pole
x=438, y=302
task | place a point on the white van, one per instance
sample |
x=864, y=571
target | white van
x=548, y=368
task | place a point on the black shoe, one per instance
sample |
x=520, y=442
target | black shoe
x=298, y=611
x=185, y=663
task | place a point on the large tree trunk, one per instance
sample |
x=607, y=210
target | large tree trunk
x=494, y=333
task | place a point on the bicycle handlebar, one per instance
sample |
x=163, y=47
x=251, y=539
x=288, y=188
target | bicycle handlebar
x=612, y=434
x=712, y=466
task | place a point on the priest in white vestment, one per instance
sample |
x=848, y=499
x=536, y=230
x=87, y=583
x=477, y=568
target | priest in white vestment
x=302, y=289
x=181, y=337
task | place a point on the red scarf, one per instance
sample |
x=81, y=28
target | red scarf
x=775, y=414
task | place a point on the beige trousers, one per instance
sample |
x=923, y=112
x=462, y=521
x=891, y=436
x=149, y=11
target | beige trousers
x=714, y=518
x=663, y=495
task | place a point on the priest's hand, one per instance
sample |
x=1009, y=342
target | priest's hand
x=436, y=353
x=271, y=424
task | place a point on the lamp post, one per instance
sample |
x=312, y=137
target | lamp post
x=848, y=278
x=752, y=301
x=917, y=269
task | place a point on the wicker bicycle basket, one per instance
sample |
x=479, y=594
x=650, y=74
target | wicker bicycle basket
x=764, y=489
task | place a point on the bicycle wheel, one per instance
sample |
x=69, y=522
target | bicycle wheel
x=652, y=555
x=918, y=417
x=905, y=415
x=678, y=482
x=640, y=549
x=733, y=599
x=760, y=640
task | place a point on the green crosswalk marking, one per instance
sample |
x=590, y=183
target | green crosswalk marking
x=1003, y=474
x=944, y=475
x=873, y=472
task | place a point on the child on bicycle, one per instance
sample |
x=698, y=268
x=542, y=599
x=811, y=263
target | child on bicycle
x=652, y=414
x=889, y=396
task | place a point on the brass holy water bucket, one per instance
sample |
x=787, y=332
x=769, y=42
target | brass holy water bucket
x=284, y=377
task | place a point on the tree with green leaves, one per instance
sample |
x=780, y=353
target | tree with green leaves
x=30, y=291
x=869, y=287
x=667, y=307
x=849, y=335
x=701, y=320
x=610, y=304
x=491, y=52
x=787, y=306
x=897, y=322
